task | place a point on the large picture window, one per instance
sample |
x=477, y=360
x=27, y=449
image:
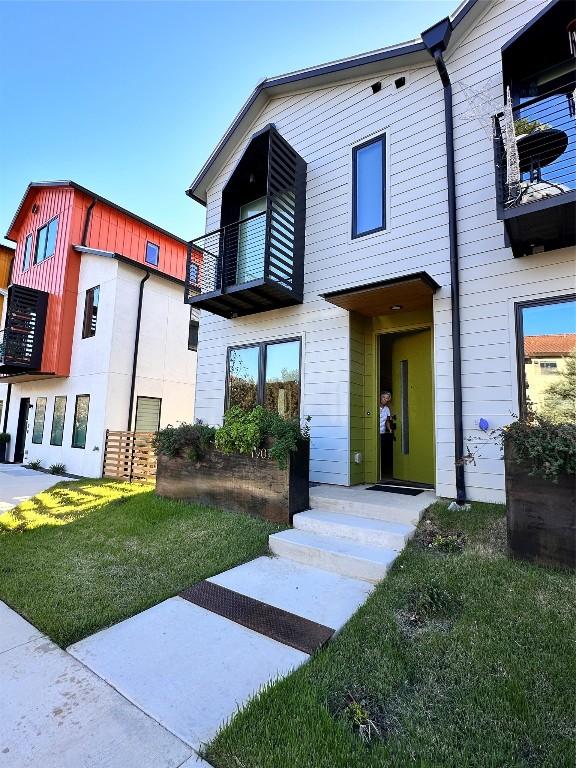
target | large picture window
x=80, y=421
x=39, y=418
x=369, y=187
x=58, y=416
x=46, y=241
x=265, y=374
x=546, y=338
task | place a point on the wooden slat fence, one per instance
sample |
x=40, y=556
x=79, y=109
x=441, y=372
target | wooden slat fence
x=129, y=456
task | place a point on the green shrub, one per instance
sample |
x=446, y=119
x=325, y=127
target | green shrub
x=547, y=449
x=4, y=438
x=189, y=440
x=36, y=464
x=246, y=431
x=57, y=469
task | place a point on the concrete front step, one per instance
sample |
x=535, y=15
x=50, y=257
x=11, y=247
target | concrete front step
x=343, y=556
x=364, y=530
x=377, y=505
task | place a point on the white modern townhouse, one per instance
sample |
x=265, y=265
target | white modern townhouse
x=95, y=334
x=398, y=222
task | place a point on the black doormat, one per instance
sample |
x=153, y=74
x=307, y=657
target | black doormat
x=287, y=628
x=396, y=489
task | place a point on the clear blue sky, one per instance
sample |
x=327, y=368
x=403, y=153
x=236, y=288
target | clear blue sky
x=129, y=98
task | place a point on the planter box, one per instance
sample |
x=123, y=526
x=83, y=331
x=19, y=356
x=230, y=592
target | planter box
x=253, y=485
x=541, y=515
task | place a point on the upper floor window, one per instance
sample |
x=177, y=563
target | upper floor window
x=369, y=187
x=152, y=254
x=27, y=253
x=90, y=312
x=46, y=241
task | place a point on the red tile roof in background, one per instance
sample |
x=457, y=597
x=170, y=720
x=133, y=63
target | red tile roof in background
x=553, y=344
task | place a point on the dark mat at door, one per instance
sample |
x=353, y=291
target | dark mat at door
x=285, y=627
x=396, y=489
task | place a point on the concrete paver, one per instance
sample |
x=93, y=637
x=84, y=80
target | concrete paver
x=56, y=713
x=188, y=668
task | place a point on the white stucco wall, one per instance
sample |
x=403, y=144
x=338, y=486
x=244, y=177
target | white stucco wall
x=101, y=366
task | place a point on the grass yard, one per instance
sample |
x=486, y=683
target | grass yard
x=84, y=555
x=461, y=657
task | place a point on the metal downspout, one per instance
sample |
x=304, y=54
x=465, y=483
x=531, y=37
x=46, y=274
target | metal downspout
x=436, y=40
x=135, y=356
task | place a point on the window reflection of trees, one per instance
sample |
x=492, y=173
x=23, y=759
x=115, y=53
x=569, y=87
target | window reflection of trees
x=282, y=394
x=243, y=390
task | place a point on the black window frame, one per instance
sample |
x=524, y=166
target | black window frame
x=58, y=397
x=152, y=263
x=519, y=306
x=147, y=397
x=193, y=323
x=33, y=441
x=261, y=383
x=72, y=443
x=381, y=138
x=38, y=231
x=27, y=262
x=90, y=320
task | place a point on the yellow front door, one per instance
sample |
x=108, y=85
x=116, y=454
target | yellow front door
x=412, y=407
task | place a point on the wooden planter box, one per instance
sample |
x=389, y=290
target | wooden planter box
x=253, y=485
x=541, y=515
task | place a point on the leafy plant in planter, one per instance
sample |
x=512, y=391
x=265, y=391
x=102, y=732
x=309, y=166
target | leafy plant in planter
x=546, y=448
x=190, y=440
x=246, y=431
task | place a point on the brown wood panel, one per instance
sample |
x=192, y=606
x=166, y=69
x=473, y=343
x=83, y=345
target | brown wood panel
x=129, y=455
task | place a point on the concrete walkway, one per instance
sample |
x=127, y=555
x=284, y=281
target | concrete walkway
x=192, y=667
x=55, y=713
x=17, y=484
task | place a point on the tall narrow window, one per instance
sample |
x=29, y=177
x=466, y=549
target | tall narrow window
x=80, y=421
x=546, y=338
x=58, y=420
x=27, y=253
x=39, y=417
x=243, y=367
x=152, y=254
x=369, y=187
x=90, y=312
x=148, y=414
x=46, y=241
x=1, y=411
x=282, y=381
x=193, y=329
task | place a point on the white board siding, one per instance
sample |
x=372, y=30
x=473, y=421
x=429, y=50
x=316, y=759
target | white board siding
x=322, y=125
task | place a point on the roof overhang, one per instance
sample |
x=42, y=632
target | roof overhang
x=405, y=54
x=386, y=297
x=83, y=249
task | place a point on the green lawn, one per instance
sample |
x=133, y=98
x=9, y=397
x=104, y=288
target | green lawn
x=84, y=555
x=459, y=658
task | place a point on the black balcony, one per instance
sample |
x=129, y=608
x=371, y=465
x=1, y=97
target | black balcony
x=536, y=173
x=22, y=339
x=255, y=261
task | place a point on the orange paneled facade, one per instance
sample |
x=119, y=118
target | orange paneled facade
x=87, y=219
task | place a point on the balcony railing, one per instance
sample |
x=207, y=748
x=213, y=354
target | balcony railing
x=535, y=155
x=22, y=339
x=250, y=265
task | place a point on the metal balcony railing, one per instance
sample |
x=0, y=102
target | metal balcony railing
x=22, y=338
x=536, y=161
